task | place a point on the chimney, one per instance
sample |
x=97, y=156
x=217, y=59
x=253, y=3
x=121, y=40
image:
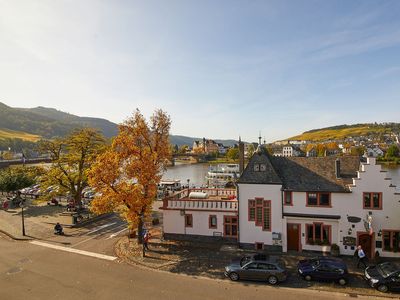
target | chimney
x=337, y=168
x=241, y=156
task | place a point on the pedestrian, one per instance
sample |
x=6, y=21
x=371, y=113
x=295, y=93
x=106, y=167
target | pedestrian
x=146, y=240
x=362, y=258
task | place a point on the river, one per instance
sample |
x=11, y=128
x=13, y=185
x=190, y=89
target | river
x=196, y=173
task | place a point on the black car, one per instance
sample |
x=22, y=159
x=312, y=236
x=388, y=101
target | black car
x=384, y=276
x=247, y=267
x=323, y=268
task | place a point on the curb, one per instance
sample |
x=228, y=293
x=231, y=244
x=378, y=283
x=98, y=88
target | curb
x=13, y=237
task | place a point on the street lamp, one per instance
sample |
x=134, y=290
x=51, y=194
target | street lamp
x=21, y=204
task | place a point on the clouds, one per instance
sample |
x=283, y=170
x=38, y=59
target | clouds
x=220, y=69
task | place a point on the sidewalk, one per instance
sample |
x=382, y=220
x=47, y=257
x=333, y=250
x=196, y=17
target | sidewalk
x=209, y=260
x=39, y=220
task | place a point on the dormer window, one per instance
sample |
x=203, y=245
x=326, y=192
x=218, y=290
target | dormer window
x=260, y=167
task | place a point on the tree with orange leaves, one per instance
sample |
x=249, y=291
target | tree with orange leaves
x=127, y=174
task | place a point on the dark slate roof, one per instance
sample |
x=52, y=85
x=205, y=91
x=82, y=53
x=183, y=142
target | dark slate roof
x=269, y=176
x=303, y=173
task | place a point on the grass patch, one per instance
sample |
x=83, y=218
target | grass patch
x=11, y=134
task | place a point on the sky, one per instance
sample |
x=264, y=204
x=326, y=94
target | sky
x=220, y=69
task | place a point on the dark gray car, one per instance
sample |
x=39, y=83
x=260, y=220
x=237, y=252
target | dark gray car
x=272, y=271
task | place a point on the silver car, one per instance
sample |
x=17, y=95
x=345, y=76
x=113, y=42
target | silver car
x=272, y=271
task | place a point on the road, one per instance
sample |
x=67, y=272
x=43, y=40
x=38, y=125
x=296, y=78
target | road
x=29, y=271
x=98, y=237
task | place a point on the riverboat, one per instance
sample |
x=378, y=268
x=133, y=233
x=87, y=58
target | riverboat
x=222, y=175
x=168, y=186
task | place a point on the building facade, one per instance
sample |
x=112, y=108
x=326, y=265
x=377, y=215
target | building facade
x=295, y=204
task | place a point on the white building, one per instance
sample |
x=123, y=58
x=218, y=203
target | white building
x=295, y=204
x=201, y=214
x=374, y=152
x=310, y=203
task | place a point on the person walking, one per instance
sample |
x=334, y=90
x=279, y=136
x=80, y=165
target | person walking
x=362, y=258
x=146, y=240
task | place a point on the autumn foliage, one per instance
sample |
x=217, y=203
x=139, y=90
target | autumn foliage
x=126, y=175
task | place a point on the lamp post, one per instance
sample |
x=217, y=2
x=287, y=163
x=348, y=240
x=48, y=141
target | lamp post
x=21, y=204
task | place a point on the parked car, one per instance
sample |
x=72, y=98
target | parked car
x=270, y=270
x=251, y=257
x=384, y=276
x=324, y=268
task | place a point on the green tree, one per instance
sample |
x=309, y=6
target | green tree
x=72, y=158
x=13, y=179
x=233, y=153
x=392, y=152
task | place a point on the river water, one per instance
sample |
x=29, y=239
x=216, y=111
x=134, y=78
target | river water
x=196, y=173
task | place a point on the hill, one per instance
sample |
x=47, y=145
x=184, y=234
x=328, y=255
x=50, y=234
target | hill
x=341, y=132
x=11, y=134
x=33, y=123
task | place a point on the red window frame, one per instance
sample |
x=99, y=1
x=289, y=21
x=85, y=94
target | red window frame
x=228, y=221
x=266, y=226
x=210, y=225
x=318, y=199
x=252, y=210
x=188, y=220
x=290, y=194
x=259, y=211
x=391, y=240
x=323, y=226
x=371, y=197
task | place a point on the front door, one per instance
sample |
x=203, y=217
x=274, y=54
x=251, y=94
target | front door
x=365, y=240
x=293, y=236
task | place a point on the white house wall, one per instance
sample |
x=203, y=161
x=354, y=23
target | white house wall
x=249, y=232
x=174, y=222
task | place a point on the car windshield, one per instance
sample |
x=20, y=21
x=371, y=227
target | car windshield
x=245, y=260
x=386, y=269
x=314, y=262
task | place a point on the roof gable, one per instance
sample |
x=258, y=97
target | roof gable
x=254, y=174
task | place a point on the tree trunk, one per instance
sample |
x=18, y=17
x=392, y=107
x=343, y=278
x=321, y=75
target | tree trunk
x=140, y=226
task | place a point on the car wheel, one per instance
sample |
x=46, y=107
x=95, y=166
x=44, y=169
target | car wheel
x=382, y=288
x=272, y=280
x=342, y=281
x=307, y=277
x=234, y=276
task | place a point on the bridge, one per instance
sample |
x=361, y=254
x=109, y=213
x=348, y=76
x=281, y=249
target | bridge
x=195, y=156
x=13, y=162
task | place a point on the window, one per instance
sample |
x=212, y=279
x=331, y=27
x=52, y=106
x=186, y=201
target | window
x=318, y=234
x=260, y=212
x=319, y=199
x=287, y=196
x=188, y=221
x=372, y=200
x=260, y=167
x=391, y=240
x=230, y=226
x=212, y=222
x=252, y=210
x=259, y=246
x=267, y=215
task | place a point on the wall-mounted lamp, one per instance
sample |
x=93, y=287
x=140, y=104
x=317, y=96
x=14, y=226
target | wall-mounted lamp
x=350, y=231
x=380, y=232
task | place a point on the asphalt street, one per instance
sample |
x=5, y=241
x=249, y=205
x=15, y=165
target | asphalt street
x=29, y=271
